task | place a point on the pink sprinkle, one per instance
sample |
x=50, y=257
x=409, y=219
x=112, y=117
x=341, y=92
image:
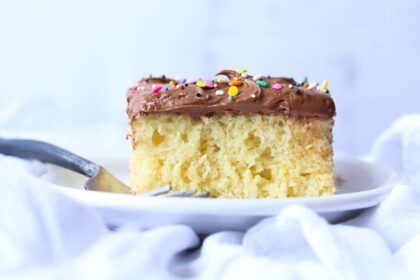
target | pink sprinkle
x=156, y=89
x=277, y=86
x=209, y=84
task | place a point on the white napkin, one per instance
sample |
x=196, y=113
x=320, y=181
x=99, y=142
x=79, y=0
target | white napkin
x=46, y=235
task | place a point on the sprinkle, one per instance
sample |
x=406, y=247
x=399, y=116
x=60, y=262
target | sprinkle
x=242, y=71
x=305, y=84
x=220, y=92
x=290, y=86
x=163, y=77
x=230, y=98
x=233, y=91
x=153, y=86
x=327, y=91
x=209, y=84
x=156, y=89
x=277, y=86
x=312, y=85
x=298, y=84
x=201, y=83
x=183, y=81
x=318, y=88
x=305, y=80
x=262, y=83
x=235, y=83
x=198, y=94
x=297, y=91
x=180, y=86
x=253, y=96
x=215, y=85
x=142, y=88
x=324, y=85
x=173, y=83
x=135, y=87
x=258, y=77
x=166, y=89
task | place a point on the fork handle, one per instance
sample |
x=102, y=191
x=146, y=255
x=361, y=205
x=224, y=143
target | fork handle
x=45, y=152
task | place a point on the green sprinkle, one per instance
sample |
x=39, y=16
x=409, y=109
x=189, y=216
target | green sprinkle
x=262, y=83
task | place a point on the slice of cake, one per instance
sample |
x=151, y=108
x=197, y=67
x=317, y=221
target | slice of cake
x=242, y=137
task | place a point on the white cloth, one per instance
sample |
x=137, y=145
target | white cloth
x=46, y=235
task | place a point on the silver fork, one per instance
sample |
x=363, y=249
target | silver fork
x=100, y=179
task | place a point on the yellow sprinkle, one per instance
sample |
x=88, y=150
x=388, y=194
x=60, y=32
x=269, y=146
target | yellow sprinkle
x=242, y=71
x=201, y=84
x=324, y=85
x=233, y=91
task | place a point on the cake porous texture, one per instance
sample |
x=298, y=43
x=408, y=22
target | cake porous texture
x=244, y=137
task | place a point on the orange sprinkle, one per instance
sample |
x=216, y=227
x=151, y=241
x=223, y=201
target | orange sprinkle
x=235, y=83
x=306, y=85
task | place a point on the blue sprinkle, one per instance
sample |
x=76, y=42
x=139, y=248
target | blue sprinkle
x=166, y=89
x=305, y=80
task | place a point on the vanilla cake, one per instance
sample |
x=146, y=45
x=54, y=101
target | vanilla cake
x=239, y=137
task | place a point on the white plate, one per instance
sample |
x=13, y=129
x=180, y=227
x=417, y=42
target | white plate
x=360, y=185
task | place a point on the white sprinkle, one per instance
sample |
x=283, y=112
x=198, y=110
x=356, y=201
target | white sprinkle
x=219, y=92
x=258, y=77
x=318, y=88
x=215, y=85
x=253, y=96
x=153, y=86
x=244, y=75
x=312, y=85
x=142, y=88
x=290, y=86
x=230, y=98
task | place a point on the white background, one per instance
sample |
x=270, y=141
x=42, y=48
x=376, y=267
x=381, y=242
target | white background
x=68, y=63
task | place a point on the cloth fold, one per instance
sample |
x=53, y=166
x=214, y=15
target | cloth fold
x=46, y=235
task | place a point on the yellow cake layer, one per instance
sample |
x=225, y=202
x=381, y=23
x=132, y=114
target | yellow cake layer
x=233, y=156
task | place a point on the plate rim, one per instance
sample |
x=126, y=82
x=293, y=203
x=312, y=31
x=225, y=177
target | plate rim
x=234, y=206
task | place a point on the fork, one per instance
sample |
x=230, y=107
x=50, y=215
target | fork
x=100, y=179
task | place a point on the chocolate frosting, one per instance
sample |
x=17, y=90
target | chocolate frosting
x=161, y=94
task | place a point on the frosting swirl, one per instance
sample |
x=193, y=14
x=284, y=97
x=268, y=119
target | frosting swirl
x=267, y=95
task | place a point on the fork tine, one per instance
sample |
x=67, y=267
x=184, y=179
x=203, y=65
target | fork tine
x=166, y=192
x=157, y=191
x=182, y=193
x=202, y=194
